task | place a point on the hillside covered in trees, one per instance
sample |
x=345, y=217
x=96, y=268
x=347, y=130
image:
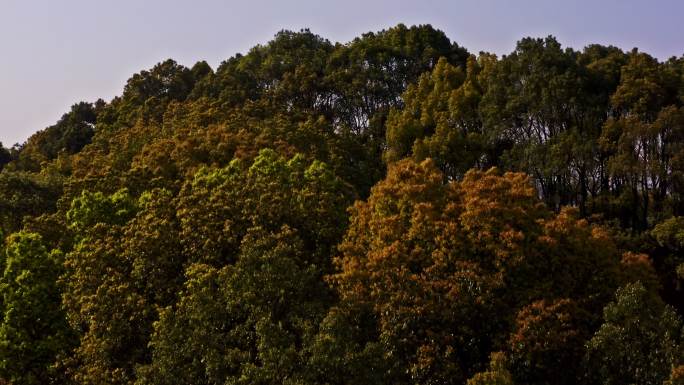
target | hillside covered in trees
x=392, y=210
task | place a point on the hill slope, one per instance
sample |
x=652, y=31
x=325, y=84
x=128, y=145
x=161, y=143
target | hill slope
x=389, y=210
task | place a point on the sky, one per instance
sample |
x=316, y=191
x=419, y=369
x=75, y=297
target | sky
x=56, y=53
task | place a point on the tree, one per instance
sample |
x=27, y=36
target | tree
x=642, y=142
x=24, y=194
x=126, y=265
x=676, y=377
x=438, y=266
x=244, y=323
x=204, y=222
x=537, y=108
x=548, y=336
x=69, y=135
x=218, y=206
x=669, y=236
x=440, y=119
x=638, y=342
x=34, y=332
x=5, y=156
x=496, y=375
x=405, y=260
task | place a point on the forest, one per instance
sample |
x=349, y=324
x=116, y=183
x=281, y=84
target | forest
x=390, y=210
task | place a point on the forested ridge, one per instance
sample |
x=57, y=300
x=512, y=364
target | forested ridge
x=391, y=210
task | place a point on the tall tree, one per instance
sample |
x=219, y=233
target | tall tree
x=34, y=331
x=638, y=342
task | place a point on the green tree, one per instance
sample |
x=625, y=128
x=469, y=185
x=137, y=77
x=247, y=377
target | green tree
x=496, y=375
x=669, y=235
x=638, y=342
x=244, y=323
x=217, y=207
x=24, y=194
x=643, y=143
x=5, y=156
x=126, y=265
x=69, y=135
x=440, y=119
x=534, y=109
x=34, y=332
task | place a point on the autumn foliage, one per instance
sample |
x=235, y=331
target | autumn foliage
x=393, y=210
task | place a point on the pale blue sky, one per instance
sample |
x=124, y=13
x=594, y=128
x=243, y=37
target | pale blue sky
x=56, y=53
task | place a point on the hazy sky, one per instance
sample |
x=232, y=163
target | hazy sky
x=56, y=53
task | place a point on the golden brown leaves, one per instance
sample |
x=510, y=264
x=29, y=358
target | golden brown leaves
x=441, y=264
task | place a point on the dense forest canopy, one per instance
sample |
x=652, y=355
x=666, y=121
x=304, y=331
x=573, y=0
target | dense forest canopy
x=392, y=210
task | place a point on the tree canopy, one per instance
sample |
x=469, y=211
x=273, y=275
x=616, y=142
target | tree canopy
x=389, y=210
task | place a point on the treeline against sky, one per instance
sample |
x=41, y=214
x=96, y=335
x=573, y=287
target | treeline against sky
x=393, y=210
